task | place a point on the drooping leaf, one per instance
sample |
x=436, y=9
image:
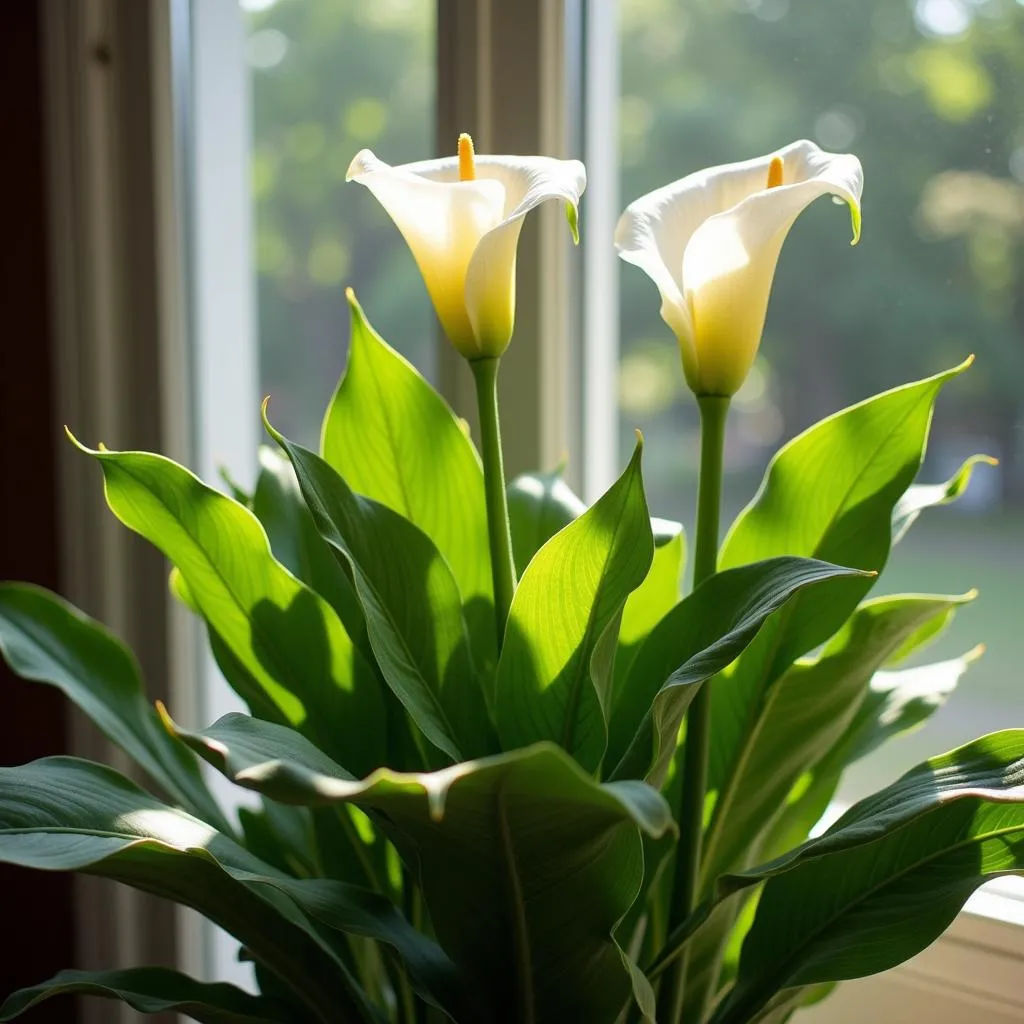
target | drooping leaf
x=156, y=990
x=45, y=639
x=555, y=671
x=698, y=638
x=923, y=496
x=800, y=719
x=63, y=814
x=544, y=861
x=889, y=877
x=287, y=639
x=412, y=606
x=830, y=494
x=392, y=438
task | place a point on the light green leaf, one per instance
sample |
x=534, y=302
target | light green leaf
x=895, y=703
x=800, y=719
x=924, y=496
x=555, y=671
x=288, y=641
x=45, y=639
x=62, y=814
x=889, y=877
x=648, y=605
x=155, y=990
x=830, y=494
x=541, y=504
x=544, y=860
x=698, y=638
x=392, y=438
x=412, y=607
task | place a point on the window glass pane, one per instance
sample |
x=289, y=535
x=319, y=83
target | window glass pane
x=930, y=95
x=330, y=77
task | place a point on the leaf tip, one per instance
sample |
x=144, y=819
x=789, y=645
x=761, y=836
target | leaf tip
x=165, y=719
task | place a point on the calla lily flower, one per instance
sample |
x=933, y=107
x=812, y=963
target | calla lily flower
x=461, y=217
x=710, y=242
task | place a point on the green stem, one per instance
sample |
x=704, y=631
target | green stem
x=485, y=373
x=714, y=410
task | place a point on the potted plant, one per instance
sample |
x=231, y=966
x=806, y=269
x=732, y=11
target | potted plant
x=507, y=771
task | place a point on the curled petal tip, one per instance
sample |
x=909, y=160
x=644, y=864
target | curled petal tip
x=974, y=653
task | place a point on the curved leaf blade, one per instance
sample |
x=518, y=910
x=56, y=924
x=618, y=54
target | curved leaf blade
x=47, y=640
x=924, y=496
x=888, y=878
x=555, y=671
x=802, y=717
x=62, y=814
x=155, y=990
x=287, y=639
x=393, y=438
x=412, y=606
x=694, y=642
x=544, y=859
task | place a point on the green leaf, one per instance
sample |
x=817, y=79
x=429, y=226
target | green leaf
x=541, y=504
x=62, y=814
x=412, y=607
x=555, y=671
x=829, y=494
x=895, y=703
x=155, y=990
x=297, y=544
x=544, y=862
x=45, y=639
x=889, y=877
x=800, y=719
x=697, y=639
x=648, y=605
x=287, y=640
x=924, y=496
x=392, y=438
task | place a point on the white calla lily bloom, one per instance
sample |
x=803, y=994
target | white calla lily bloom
x=711, y=241
x=461, y=217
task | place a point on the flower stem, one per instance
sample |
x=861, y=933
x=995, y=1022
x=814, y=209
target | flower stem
x=485, y=374
x=714, y=410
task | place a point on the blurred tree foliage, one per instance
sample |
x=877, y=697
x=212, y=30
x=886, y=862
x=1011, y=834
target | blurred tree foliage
x=929, y=94
x=330, y=77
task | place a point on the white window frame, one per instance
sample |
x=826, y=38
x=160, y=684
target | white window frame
x=509, y=73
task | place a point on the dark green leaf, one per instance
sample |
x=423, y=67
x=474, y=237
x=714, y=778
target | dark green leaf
x=555, y=671
x=156, y=990
x=392, y=438
x=698, y=638
x=297, y=544
x=412, y=606
x=62, y=814
x=287, y=639
x=888, y=878
x=45, y=639
x=543, y=860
